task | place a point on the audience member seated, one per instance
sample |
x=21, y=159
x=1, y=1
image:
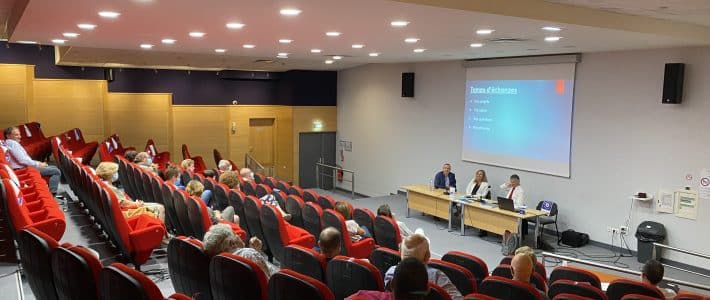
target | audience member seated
x=445, y=178
x=17, y=158
x=514, y=191
x=108, y=172
x=130, y=155
x=224, y=166
x=384, y=210
x=172, y=176
x=417, y=246
x=144, y=161
x=246, y=174
x=652, y=273
x=188, y=164
x=329, y=243
x=195, y=188
x=209, y=174
x=220, y=238
x=522, y=267
x=231, y=179
x=409, y=282
x=270, y=199
x=356, y=232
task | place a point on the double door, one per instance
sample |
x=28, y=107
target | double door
x=316, y=147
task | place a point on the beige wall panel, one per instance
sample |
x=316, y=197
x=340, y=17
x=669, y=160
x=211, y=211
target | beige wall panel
x=136, y=117
x=303, y=118
x=15, y=92
x=202, y=128
x=60, y=105
x=283, y=144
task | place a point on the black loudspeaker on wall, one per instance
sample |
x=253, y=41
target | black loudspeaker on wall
x=673, y=84
x=108, y=74
x=408, y=85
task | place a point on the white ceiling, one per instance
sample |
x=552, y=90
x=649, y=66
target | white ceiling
x=688, y=11
x=445, y=33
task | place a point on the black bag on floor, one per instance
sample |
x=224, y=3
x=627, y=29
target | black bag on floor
x=574, y=239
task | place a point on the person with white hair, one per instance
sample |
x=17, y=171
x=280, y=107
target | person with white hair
x=224, y=166
x=246, y=174
x=417, y=246
x=220, y=238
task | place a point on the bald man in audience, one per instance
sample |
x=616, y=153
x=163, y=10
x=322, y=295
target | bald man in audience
x=522, y=267
x=417, y=246
x=329, y=243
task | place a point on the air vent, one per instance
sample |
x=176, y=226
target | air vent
x=507, y=40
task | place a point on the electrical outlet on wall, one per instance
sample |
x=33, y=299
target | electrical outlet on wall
x=623, y=229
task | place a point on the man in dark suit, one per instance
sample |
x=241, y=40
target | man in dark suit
x=445, y=179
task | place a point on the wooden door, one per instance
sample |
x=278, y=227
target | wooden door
x=261, y=140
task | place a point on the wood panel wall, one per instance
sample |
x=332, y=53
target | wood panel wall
x=15, y=92
x=202, y=128
x=61, y=104
x=303, y=118
x=136, y=117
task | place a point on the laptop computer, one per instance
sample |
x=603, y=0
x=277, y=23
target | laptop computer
x=506, y=204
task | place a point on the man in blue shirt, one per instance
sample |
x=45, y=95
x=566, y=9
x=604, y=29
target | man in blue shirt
x=18, y=158
x=445, y=179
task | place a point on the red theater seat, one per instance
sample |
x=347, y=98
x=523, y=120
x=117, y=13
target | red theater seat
x=234, y=277
x=504, y=288
x=189, y=267
x=310, y=196
x=437, y=293
x=35, y=249
x=280, y=197
x=33, y=140
x=76, y=272
x=283, y=186
x=290, y=285
x=119, y=282
x=296, y=190
x=46, y=217
x=249, y=188
x=387, y=232
x=359, y=249
x=384, y=258
x=279, y=233
x=575, y=274
x=312, y=214
x=459, y=276
x=621, y=287
x=236, y=200
x=201, y=222
x=73, y=140
x=200, y=165
x=365, y=217
x=294, y=207
x=346, y=276
x=159, y=158
x=262, y=190
x=305, y=261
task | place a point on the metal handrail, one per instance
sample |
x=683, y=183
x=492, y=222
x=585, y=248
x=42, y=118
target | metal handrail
x=248, y=159
x=690, y=252
x=336, y=168
x=622, y=270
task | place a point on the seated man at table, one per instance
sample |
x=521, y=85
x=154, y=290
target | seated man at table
x=514, y=191
x=445, y=178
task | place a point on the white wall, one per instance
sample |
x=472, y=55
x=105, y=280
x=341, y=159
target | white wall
x=624, y=140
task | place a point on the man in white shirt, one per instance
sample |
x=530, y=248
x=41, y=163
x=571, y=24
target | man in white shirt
x=18, y=158
x=514, y=191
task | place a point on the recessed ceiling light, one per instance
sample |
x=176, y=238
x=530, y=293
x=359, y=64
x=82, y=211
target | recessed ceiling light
x=476, y=45
x=285, y=41
x=59, y=41
x=332, y=33
x=337, y=57
x=197, y=34
x=316, y=51
x=168, y=41
x=70, y=34
x=358, y=46
x=399, y=23
x=280, y=54
x=26, y=42
x=248, y=46
x=329, y=62
x=411, y=40
x=146, y=46
x=290, y=11
x=235, y=25
x=420, y=50
x=552, y=38
x=219, y=50
x=484, y=31
x=373, y=54
x=109, y=14
x=86, y=26
x=551, y=28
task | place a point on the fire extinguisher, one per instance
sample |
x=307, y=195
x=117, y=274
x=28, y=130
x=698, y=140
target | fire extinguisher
x=339, y=172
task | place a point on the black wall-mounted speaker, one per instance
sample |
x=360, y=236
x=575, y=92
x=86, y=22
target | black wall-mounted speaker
x=408, y=85
x=108, y=74
x=673, y=83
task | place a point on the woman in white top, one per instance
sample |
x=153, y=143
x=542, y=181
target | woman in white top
x=479, y=185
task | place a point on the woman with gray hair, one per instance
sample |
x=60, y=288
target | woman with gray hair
x=220, y=238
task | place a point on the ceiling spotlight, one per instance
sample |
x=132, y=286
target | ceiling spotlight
x=399, y=23
x=197, y=34
x=285, y=41
x=168, y=41
x=220, y=50
x=86, y=26
x=248, y=46
x=282, y=55
x=373, y=54
x=109, y=14
x=59, y=41
x=484, y=31
x=358, y=46
x=337, y=57
x=551, y=28
x=315, y=51
x=146, y=46
x=70, y=34
x=552, y=38
x=329, y=62
x=420, y=50
x=476, y=45
x=235, y=25
x=411, y=40
x=332, y=33
x=27, y=42
x=290, y=12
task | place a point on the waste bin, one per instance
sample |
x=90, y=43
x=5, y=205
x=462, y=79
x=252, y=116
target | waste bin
x=647, y=233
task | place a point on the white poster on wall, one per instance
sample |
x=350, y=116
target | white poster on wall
x=704, y=184
x=665, y=202
x=686, y=203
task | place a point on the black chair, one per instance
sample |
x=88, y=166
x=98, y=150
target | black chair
x=549, y=219
x=384, y=258
x=235, y=277
x=304, y=261
x=312, y=214
x=189, y=268
x=35, y=249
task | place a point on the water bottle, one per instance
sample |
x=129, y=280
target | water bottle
x=431, y=184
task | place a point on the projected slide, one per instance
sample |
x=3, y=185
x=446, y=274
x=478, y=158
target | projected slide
x=522, y=124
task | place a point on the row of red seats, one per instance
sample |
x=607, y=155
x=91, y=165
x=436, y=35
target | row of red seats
x=73, y=141
x=67, y=271
x=36, y=144
x=111, y=147
x=135, y=237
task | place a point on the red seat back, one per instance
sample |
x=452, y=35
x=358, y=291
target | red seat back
x=312, y=214
x=574, y=274
x=189, y=267
x=504, y=288
x=294, y=206
x=384, y=258
x=387, y=232
x=621, y=287
x=346, y=276
x=227, y=269
x=35, y=249
x=290, y=285
x=118, y=281
x=459, y=276
x=304, y=261
x=76, y=272
x=474, y=264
